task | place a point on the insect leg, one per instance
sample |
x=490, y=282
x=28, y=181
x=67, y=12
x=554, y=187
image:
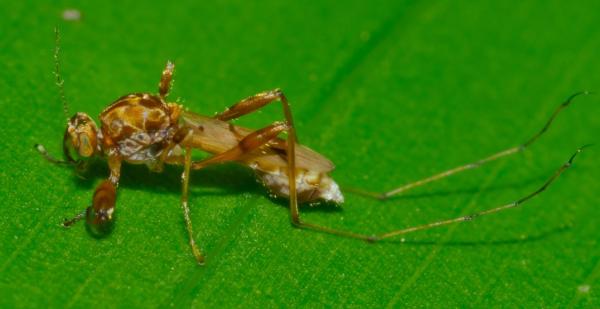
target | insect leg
x=257, y=101
x=470, y=217
x=378, y=237
x=245, y=107
x=165, y=81
x=185, y=178
x=249, y=143
x=472, y=165
x=100, y=214
x=69, y=222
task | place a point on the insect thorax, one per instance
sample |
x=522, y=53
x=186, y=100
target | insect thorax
x=140, y=125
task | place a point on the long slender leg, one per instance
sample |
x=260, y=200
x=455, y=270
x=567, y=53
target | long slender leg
x=256, y=102
x=250, y=142
x=470, y=217
x=253, y=141
x=165, y=81
x=185, y=178
x=244, y=108
x=472, y=165
x=516, y=203
x=295, y=214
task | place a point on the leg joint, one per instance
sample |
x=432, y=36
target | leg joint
x=372, y=239
x=295, y=219
x=278, y=92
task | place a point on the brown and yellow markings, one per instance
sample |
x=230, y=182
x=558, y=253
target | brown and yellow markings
x=143, y=128
x=134, y=113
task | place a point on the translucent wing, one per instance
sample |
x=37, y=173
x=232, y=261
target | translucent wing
x=216, y=136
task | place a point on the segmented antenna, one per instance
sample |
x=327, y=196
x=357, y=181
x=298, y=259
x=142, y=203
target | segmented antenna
x=59, y=81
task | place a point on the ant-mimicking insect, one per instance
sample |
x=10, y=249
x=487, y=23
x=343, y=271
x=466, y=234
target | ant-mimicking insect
x=144, y=128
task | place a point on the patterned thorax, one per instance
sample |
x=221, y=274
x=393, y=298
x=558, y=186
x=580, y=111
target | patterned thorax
x=140, y=125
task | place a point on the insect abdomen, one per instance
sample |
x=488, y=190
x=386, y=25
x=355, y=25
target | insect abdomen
x=310, y=186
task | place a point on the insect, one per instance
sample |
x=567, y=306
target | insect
x=144, y=128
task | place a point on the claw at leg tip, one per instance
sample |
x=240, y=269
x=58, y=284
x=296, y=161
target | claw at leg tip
x=199, y=257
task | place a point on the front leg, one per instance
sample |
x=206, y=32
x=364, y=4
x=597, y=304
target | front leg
x=99, y=216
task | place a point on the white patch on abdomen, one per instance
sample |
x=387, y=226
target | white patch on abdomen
x=310, y=186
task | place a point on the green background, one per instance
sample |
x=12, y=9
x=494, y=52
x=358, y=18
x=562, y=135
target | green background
x=390, y=91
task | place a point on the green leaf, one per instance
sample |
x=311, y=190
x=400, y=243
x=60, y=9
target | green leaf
x=390, y=91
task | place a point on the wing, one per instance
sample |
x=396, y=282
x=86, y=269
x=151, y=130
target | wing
x=216, y=136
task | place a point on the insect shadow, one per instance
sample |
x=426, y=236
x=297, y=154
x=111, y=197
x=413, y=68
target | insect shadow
x=467, y=190
x=498, y=242
x=219, y=180
x=233, y=179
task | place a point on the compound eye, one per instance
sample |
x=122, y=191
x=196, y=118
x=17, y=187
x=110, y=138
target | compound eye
x=81, y=137
x=86, y=144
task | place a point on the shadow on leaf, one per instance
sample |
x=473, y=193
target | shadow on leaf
x=512, y=241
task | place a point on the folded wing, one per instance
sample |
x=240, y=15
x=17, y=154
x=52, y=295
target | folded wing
x=216, y=136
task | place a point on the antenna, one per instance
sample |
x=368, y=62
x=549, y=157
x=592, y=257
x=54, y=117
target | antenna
x=59, y=81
